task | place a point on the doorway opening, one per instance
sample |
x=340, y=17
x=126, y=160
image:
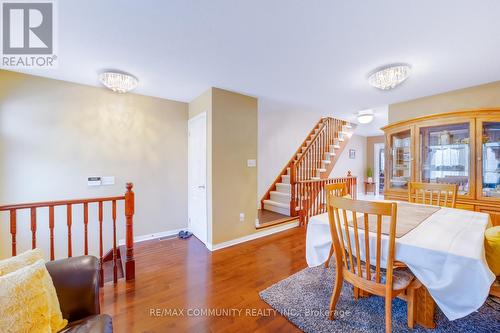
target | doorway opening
x=197, y=177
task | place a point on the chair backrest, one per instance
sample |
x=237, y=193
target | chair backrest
x=347, y=254
x=444, y=195
x=338, y=190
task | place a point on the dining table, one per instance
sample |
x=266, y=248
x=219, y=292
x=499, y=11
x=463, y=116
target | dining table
x=445, y=252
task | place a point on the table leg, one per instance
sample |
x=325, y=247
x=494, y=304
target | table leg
x=425, y=308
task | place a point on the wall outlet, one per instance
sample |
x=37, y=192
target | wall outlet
x=242, y=217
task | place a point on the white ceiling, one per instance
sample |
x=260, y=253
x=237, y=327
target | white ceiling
x=314, y=55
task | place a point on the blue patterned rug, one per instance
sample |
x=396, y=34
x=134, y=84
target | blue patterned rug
x=304, y=297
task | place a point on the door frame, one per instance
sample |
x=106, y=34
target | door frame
x=376, y=162
x=190, y=121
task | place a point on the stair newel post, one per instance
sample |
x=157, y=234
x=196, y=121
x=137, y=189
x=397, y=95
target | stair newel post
x=129, y=243
x=293, y=202
x=350, y=185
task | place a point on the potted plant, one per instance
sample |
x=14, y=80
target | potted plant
x=369, y=174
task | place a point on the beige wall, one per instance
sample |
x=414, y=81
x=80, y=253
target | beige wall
x=370, y=142
x=486, y=95
x=356, y=165
x=231, y=141
x=54, y=134
x=281, y=131
x=234, y=185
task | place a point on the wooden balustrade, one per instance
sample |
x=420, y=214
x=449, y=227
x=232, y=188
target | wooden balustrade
x=310, y=160
x=309, y=157
x=283, y=172
x=128, y=198
x=311, y=197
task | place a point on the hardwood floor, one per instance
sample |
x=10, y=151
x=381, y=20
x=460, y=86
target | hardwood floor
x=182, y=275
x=269, y=218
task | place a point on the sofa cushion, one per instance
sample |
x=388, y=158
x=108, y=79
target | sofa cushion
x=22, y=260
x=25, y=305
x=26, y=259
x=492, y=248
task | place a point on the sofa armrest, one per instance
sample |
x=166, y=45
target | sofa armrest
x=76, y=281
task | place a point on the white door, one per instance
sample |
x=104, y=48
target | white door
x=197, y=176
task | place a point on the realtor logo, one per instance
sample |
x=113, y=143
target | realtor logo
x=28, y=34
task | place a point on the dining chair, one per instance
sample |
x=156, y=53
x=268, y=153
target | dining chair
x=338, y=190
x=444, y=195
x=388, y=282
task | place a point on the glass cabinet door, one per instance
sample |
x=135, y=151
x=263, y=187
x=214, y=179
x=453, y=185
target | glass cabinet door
x=445, y=155
x=490, y=160
x=400, y=168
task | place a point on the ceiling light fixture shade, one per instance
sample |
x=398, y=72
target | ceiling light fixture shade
x=390, y=76
x=365, y=116
x=118, y=82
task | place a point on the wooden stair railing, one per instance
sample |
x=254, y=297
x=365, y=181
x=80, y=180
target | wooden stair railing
x=315, y=157
x=311, y=196
x=128, y=198
x=329, y=139
x=283, y=172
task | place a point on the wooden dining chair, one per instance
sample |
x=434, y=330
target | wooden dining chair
x=444, y=195
x=338, y=190
x=388, y=282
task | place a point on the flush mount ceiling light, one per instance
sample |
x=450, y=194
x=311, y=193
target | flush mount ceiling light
x=118, y=82
x=389, y=76
x=365, y=116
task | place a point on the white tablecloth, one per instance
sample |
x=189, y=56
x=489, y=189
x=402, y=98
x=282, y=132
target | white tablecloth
x=445, y=252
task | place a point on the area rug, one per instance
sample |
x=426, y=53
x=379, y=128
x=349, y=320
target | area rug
x=304, y=297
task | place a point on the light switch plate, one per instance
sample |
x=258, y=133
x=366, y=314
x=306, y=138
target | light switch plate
x=108, y=180
x=251, y=163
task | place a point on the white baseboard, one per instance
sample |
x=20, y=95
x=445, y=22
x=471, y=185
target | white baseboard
x=259, y=234
x=156, y=235
x=214, y=247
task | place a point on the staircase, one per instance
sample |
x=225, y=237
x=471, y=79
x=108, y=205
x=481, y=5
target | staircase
x=313, y=160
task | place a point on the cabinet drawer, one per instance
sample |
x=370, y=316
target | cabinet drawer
x=494, y=213
x=464, y=206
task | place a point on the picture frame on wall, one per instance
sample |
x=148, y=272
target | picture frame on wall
x=352, y=154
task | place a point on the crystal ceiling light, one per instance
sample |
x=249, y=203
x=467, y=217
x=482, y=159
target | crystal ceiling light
x=389, y=76
x=365, y=116
x=118, y=82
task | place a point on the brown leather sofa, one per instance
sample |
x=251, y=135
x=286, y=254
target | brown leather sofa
x=77, y=285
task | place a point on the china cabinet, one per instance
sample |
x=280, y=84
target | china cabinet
x=461, y=148
x=399, y=160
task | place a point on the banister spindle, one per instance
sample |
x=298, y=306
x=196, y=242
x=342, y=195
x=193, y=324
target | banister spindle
x=293, y=204
x=85, y=227
x=33, y=227
x=51, y=231
x=69, y=221
x=101, y=270
x=13, y=230
x=115, y=268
